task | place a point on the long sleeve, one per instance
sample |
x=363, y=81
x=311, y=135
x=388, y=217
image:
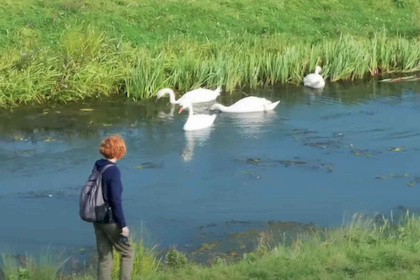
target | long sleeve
x=114, y=193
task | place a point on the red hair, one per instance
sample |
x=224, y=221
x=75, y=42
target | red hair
x=113, y=147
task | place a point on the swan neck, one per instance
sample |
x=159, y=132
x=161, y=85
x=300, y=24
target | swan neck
x=172, y=97
x=190, y=110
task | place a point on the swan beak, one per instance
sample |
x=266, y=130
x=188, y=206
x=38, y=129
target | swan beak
x=180, y=110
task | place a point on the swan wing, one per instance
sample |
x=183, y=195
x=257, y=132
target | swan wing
x=200, y=95
x=196, y=122
x=309, y=79
x=249, y=104
x=319, y=84
x=314, y=81
x=250, y=100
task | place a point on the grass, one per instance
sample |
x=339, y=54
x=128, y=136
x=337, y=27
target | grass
x=91, y=65
x=154, y=21
x=66, y=50
x=45, y=266
x=146, y=262
x=363, y=249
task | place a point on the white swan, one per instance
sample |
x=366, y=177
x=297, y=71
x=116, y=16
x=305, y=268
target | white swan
x=314, y=80
x=247, y=105
x=195, y=122
x=194, y=96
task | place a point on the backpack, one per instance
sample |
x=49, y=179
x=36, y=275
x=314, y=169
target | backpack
x=93, y=208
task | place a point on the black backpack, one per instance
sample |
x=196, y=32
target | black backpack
x=93, y=208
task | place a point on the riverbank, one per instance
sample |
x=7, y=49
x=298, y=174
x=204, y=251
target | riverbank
x=65, y=50
x=364, y=249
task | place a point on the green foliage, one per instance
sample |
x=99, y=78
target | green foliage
x=66, y=50
x=85, y=65
x=152, y=22
x=89, y=64
x=176, y=259
x=401, y=3
x=27, y=268
x=267, y=61
x=145, y=263
x=363, y=249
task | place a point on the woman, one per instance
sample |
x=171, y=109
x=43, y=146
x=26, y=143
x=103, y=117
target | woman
x=113, y=232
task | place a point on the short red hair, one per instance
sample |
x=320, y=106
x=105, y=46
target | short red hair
x=113, y=147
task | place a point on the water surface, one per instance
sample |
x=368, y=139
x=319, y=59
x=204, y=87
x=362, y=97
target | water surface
x=320, y=157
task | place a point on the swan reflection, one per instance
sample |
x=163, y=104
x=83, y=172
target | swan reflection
x=312, y=93
x=252, y=124
x=195, y=138
x=200, y=108
x=167, y=116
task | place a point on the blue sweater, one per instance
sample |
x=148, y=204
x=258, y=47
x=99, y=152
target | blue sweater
x=112, y=191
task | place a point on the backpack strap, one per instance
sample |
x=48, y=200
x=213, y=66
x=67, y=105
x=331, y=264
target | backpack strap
x=106, y=167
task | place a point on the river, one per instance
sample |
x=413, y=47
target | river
x=319, y=158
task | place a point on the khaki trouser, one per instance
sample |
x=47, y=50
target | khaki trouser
x=108, y=236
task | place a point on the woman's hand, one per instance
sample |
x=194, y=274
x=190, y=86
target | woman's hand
x=125, y=231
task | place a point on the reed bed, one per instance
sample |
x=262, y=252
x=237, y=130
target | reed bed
x=88, y=64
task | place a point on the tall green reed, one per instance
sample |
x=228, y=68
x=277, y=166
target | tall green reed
x=88, y=64
x=268, y=61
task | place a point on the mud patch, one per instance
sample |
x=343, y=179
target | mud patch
x=316, y=164
x=327, y=144
x=58, y=194
x=392, y=176
x=312, y=139
x=149, y=165
x=23, y=154
x=249, y=174
x=336, y=116
x=232, y=239
x=414, y=180
x=363, y=153
x=397, y=149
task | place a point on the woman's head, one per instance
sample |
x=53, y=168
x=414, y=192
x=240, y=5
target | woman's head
x=113, y=147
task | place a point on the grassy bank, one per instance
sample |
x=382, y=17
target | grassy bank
x=65, y=50
x=362, y=250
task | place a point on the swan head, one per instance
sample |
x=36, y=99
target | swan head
x=164, y=91
x=184, y=106
x=318, y=69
